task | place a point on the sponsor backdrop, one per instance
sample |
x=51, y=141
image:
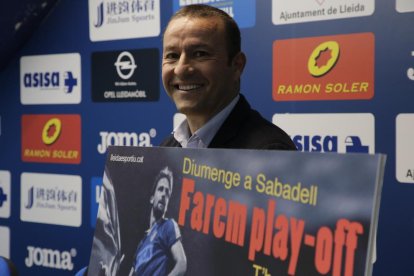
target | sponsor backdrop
x=337, y=75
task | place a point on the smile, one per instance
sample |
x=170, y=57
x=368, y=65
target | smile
x=187, y=87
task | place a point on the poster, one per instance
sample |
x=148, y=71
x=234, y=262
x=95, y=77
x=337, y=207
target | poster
x=237, y=212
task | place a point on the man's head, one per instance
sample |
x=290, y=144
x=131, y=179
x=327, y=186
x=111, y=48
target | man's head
x=161, y=193
x=202, y=62
x=232, y=31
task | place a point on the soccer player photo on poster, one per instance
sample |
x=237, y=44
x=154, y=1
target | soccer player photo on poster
x=172, y=211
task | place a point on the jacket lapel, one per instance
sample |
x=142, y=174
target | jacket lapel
x=231, y=125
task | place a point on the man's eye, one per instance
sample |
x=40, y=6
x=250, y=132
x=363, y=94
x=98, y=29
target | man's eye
x=200, y=54
x=172, y=56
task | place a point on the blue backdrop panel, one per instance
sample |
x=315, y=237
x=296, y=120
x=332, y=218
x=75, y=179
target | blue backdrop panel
x=46, y=247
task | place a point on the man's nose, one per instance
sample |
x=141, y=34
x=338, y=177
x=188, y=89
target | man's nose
x=184, y=66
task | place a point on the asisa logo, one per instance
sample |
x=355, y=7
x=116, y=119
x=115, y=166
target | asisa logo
x=142, y=139
x=330, y=132
x=5, y=194
x=50, y=79
x=328, y=143
x=50, y=258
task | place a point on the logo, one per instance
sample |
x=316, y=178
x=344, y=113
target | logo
x=125, y=68
x=5, y=241
x=96, y=194
x=330, y=132
x=100, y=16
x=404, y=6
x=323, y=58
x=51, y=199
x=125, y=76
x=50, y=258
x=113, y=19
x=51, y=138
x=297, y=11
x=5, y=194
x=51, y=131
x=3, y=197
x=70, y=82
x=243, y=12
x=329, y=143
x=142, y=139
x=410, y=71
x=404, y=149
x=50, y=79
x=337, y=67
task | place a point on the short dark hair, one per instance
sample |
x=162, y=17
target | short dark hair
x=233, y=36
x=164, y=173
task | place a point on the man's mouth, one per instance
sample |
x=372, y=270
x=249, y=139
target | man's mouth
x=187, y=87
x=162, y=203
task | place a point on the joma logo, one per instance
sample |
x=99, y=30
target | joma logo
x=125, y=139
x=50, y=258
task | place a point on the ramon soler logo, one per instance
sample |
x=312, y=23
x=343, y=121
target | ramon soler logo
x=337, y=67
x=323, y=58
x=51, y=138
x=51, y=131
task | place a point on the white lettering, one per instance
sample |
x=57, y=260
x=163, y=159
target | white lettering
x=49, y=258
x=123, y=139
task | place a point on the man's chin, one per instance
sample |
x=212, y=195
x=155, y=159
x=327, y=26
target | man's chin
x=158, y=213
x=189, y=109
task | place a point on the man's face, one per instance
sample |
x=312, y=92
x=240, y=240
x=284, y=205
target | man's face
x=161, y=197
x=196, y=71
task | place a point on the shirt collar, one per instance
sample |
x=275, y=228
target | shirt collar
x=203, y=136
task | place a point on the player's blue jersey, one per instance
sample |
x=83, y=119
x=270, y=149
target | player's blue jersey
x=153, y=256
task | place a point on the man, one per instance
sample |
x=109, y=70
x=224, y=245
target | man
x=201, y=68
x=160, y=252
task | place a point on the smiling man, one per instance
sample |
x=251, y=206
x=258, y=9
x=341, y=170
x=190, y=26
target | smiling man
x=201, y=68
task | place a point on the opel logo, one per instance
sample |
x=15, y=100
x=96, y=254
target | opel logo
x=125, y=65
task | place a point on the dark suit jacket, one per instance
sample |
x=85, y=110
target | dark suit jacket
x=245, y=128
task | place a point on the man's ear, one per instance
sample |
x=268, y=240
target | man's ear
x=239, y=61
x=152, y=199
